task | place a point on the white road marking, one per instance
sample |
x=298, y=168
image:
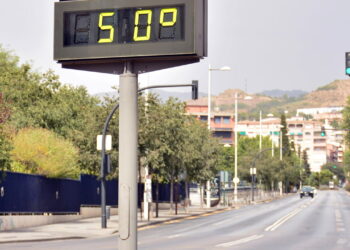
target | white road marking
x=342, y=241
x=223, y=221
x=241, y=241
x=220, y=222
x=280, y=222
x=339, y=221
x=174, y=236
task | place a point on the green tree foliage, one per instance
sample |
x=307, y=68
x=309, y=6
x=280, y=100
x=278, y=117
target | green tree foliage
x=285, y=140
x=40, y=151
x=336, y=169
x=226, y=159
x=305, y=164
x=5, y=144
x=174, y=144
x=39, y=100
x=346, y=125
x=325, y=176
x=270, y=169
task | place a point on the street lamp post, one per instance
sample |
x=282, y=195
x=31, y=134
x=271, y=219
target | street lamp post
x=225, y=68
x=260, y=131
x=281, y=158
x=235, y=179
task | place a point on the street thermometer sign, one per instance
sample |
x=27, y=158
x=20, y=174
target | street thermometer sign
x=99, y=35
x=128, y=37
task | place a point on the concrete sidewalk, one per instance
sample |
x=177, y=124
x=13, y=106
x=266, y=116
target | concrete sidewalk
x=90, y=228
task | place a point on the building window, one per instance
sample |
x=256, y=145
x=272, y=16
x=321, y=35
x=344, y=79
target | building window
x=226, y=120
x=217, y=119
x=203, y=118
x=222, y=134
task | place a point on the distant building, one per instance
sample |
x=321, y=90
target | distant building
x=315, y=111
x=306, y=134
x=221, y=123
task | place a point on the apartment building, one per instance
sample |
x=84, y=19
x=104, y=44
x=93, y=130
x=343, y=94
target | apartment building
x=221, y=123
x=321, y=142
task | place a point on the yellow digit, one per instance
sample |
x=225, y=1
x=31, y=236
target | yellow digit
x=137, y=22
x=106, y=27
x=162, y=15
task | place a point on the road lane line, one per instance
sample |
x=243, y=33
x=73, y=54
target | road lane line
x=224, y=221
x=282, y=220
x=174, y=236
x=285, y=218
x=241, y=241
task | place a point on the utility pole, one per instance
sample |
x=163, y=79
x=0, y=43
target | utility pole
x=281, y=158
x=235, y=179
x=209, y=128
x=128, y=137
x=147, y=193
x=272, y=145
x=260, y=133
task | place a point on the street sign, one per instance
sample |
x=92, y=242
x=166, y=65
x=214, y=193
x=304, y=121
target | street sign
x=108, y=141
x=236, y=180
x=99, y=35
x=252, y=171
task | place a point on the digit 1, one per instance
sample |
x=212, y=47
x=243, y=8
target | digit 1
x=162, y=15
x=106, y=27
x=138, y=38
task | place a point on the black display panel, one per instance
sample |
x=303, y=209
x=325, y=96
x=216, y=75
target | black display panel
x=133, y=25
x=100, y=35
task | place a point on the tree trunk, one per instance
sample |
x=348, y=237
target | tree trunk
x=187, y=199
x=171, y=195
x=157, y=200
x=176, y=195
x=201, y=194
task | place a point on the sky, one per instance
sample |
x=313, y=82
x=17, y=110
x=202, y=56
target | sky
x=269, y=44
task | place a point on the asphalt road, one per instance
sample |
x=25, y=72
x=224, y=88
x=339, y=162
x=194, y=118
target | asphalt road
x=290, y=223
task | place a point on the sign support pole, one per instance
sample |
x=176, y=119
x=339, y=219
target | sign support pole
x=128, y=141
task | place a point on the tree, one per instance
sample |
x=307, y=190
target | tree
x=39, y=100
x=336, y=169
x=305, y=164
x=40, y=151
x=5, y=145
x=285, y=139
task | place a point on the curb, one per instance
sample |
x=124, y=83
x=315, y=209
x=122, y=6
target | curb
x=145, y=226
x=191, y=216
x=43, y=239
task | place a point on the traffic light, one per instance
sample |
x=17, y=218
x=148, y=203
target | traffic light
x=347, y=63
x=323, y=131
x=194, y=90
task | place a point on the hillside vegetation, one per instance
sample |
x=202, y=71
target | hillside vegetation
x=330, y=95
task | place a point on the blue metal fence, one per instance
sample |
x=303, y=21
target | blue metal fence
x=25, y=193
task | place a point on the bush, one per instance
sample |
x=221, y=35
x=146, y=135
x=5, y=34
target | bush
x=40, y=151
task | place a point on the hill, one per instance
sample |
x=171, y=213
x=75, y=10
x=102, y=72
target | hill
x=270, y=101
x=333, y=94
x=278, y=93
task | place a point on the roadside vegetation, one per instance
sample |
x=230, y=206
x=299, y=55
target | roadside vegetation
x=50, y=128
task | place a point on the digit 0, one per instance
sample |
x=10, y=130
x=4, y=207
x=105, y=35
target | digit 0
x=166, y=11
x=106, y=27
x=138, y=13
